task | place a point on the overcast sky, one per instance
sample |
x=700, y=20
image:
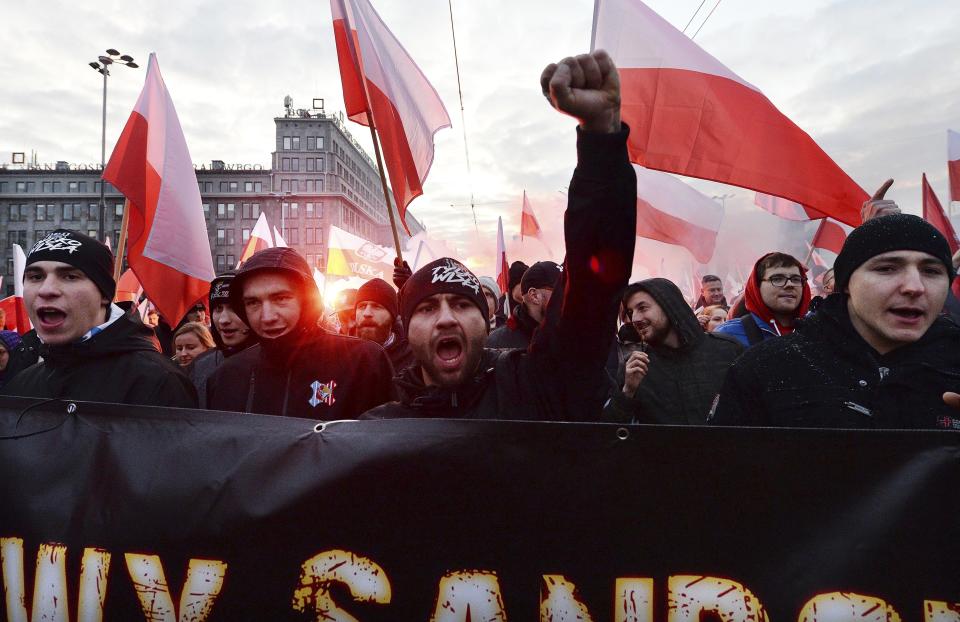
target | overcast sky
x=875, y=82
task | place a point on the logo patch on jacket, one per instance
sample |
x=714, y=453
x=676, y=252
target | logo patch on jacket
x=322, y=393
x=949, y=423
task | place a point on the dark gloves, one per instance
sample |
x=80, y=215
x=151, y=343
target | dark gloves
x=401, y=272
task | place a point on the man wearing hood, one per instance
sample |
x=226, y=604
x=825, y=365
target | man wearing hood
x=776, y=296
x=376, y=321
x=492, y=291
x=536, y=288
x=560, y=376
x=669, y=369
x=90, y=349
x=298, y=369
x=229, y=332
x=877, y=354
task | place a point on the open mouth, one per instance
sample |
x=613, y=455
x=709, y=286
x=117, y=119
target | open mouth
x=907, y=314
x=449, y=353
x=50, y=317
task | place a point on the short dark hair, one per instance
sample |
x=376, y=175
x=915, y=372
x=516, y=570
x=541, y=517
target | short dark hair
x=709, y=278
x=776, y=260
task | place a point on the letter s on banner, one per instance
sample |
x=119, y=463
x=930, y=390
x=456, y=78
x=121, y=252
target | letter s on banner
x=365, y=578
x=847, y=607
x=476, y=592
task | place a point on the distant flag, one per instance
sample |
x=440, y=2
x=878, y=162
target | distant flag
x=151, y=165
x=108, y=244
x=933, y=213
x=953, y=164
x=670, y=211
x=690, y=114
x=129, y=288
x=785, y=208
x=502, y=267
x=528, y=221
x=815, y=257
x=379, y=77
x=830, y=235
x=351, y=256
x=13, y=306
x=278, y=240
x=260, y=239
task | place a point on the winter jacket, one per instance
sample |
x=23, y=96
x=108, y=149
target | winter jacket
x=681, y=382
x=399, y=352
x=517, y=333
x=314, y=375
x=735, y=329
x=23, y=356
x=561, y=375
x=826, y=375
x=117, y=365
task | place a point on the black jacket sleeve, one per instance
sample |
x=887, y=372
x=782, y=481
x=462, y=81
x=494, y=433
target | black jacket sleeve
x=570, y=349
x=737, y=404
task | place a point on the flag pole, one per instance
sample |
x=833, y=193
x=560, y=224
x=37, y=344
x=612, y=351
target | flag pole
x=810, y=252
x=383, y=180
x=121, y=241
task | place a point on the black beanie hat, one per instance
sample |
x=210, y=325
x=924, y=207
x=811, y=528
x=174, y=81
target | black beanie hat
x=80, y=251
x=220, y=288
x=539, y=275
x=287, y=261
x=896, y=232
x=517, y=270
x=443, y=276
x=380, y=292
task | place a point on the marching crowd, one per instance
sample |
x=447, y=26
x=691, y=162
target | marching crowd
x=878, y=347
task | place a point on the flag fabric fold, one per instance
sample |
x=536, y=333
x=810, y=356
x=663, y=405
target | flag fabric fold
x=785, y=208
x=830, y=236
x=953, y=164
x=502, y=267
x=151, y=165
x=933, y=213
x=13, y=306
x=670, y=211
x=529, y=226
x=381, y=79
x=689, y=114
x=260, y=239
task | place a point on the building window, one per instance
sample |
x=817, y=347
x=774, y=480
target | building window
x=295, y=185
x=39, y=234
x=290, y=210
x=221, y=263
x=248, y=186
x=225, y=210
x=286, y=143
x=224, y=186
x=258, y=186
x=291, y=236
x=92, y=233
x=208, y=186
x=309, y=215
x=319, y=183
x=10, y=272
x=3, y=187
x=296, y=142
x=234, y=186
x=250, y=211
x=256, y=210
x=319, y=142
x=311, y=143
x=295, y=164
x=245, y=235
x=17, y=237
x=46, y=212
x=285, y=185
x=231, y=260
x=285, y=164
x=206, y=210
x=311, y=238
x=310, y=164
x=73, y=186
x=231, y=207
x=221, y=237
x=319, y=165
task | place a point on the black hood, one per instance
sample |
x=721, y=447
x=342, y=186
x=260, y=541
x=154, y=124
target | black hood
x=678, y=312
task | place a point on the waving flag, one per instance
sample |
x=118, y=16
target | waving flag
x=953, y=163
x=278, y=240
x=260, y=239
x=502, y=267
x=380, y=79
x=830, y=236
x=933, y=213
x=670, y=211
x=785, y=208
x=13, y=306
x=690, y=114
x=352, y=256
x=528, y=221
x=151, y=165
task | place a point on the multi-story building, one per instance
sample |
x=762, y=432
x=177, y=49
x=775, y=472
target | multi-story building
x=319, y=176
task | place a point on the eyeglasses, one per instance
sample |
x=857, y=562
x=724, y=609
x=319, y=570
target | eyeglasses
x=779, y=280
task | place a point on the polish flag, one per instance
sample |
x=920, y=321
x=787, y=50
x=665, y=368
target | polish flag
x=13, y=306
x=670, y=211
x=381, y=80
x=260, y=239
x=502, y=267
x=151, y=165
x=690, y=114
x=128, y=288
x=785, y=208
x=953, y=163
x=933, y=213
x=279, y=242
x=528, y=221
x=830, y=235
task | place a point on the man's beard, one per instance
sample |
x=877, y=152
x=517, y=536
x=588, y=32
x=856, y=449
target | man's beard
x=374, y=332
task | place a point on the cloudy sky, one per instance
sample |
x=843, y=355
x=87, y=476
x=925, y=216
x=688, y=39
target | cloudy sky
x=875, y=82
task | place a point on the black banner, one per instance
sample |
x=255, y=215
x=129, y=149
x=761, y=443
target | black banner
x=128, y=513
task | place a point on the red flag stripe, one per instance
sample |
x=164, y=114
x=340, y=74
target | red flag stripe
x=663, y=227
x=933, y=213
x=829, y=236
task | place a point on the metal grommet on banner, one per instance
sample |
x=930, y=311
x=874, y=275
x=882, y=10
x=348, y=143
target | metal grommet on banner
x=623, y=434
x=71, y=408
x=320, y=427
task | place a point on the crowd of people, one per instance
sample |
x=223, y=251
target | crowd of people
x=879, y=346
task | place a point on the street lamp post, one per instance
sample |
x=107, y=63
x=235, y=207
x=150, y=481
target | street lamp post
x=102, y=65
x=723, y=199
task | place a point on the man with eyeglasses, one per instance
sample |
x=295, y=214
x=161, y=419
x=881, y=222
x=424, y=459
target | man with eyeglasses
x=776, y=296
x=536, y=287
x=877, y=354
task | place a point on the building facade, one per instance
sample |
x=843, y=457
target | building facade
x=318, y=177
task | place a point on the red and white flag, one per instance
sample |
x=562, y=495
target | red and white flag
x=933, y=213
x=502, y=267
x=380, y=78
x=167, y=237
x=785, y=208
x=690, y=114
x=830, y=235
x=129, y=288
x=529, y=226
x=260, y=239
x=13, y=306
x=278, y=240
x=953, y=164
x=670, y=211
